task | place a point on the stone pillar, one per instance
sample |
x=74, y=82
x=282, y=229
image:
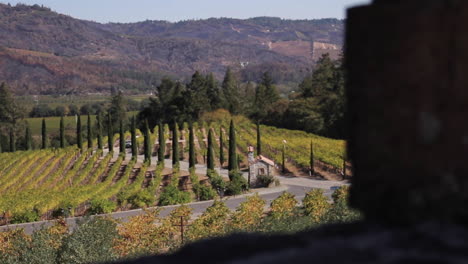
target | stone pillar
x=408, y=110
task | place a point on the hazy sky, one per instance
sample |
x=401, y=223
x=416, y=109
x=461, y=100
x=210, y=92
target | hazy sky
x=175, y=10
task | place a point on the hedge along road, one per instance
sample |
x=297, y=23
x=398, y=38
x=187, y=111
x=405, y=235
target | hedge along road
x=294, y=185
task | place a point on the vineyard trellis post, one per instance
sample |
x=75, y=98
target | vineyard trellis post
x=182, y=229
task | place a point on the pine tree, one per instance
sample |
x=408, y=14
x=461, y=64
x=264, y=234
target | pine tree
x=147, y=144
x=192, y=160
x=110, y=133
x=134, y=142
x=230, y=92
x=175, y=145
x=62, y=132
x=90, y=133
x=283, y=159
x=232, y=148
x=213, y=92
x=312, y=168
x=221, y=147
x=12, y=141
x=79, y=138
x=44, y=134
x=27, y=138
x=210, y=152
x=162, y=144
x=121, y=137
x=259, y=141
x=99, y=131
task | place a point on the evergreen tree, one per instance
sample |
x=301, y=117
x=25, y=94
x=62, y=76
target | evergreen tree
x=322, y=80
x=134, y=141
x=175, y=144
x=231, y=93
x=121, y=137
x=283, y=159
x=12, y=141
x=312, y=167
x=44, y=134
x=196, y=96
x=90, y=133
x=213, y=92
x=110, y=133
x=10, y=110
x=192, y=160
x=147, y=148
x=62, y=132
x=259, y=141
x=79, y=137
x=99, y=131
x=118, y=109
x=210, y=152
x=232, y=148
x=27, y=137
x=162, y=144
x=266, y=95
x=221, y=147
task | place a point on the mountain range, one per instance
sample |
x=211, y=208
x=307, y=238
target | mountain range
x=44, y=52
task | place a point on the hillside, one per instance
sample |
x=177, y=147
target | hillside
x=44, y=52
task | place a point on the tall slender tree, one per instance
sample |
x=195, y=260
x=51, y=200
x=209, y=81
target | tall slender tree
x=162, y=144
x=44, y=134
x=62, y=132
x=283, y=159
x=210, y=152
x=312, y=166
x=90, y=133
x=99, y=131
x=12, y=141
x=110, y=133
x=175, y=144
x=147, y=143
x=79, y=137
x=259, y=140
x=134, y=142
x=121, y=137
x=27, y=138
x=232, y=148
x=221, y=147
x=192, y=160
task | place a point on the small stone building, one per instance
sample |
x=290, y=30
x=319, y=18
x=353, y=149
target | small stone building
x=260, y=165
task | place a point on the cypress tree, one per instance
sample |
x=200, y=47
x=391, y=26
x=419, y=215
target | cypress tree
x=147, y=144
x=62, y=133
x=162, y=144
x=192, y=160
x=312, y=168
x=110, y=134
x=175, y=145
x=283, y=159
x=12, y=141
x=134, y=142
x=27, y=138
x=79, y=138
x=259, y=141
x=232, y=148
x=221, y=147
x=44, y=134
x=121, y=138
x=99, y=131
x=210, y=152
x=90, y=133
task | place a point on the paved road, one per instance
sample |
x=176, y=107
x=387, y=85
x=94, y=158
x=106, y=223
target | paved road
x=295, y=185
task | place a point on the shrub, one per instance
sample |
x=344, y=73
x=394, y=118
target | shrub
x=237, y=185
x=142, y=199
x=264, y=180
x=172, y=195
x=284, y=206
x=91, y=242
x=315, y=204
x=25, y=217
x=102, y=206
x=204, y=192
x=340, y=212
x=218, y=183
x=248, y=214
x=211, y=223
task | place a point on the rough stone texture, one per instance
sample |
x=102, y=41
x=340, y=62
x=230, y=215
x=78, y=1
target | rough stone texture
x=408, y=105
x=352, y=243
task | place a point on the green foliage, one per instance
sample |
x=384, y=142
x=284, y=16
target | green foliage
x=204, y=192
x=134, y=141
x=142, y=199
x=44, y=134
x=121, y=137
x=192, y=157
x=210, y=152
x=340, y=212
x=79, y=137
x=221, y=147
x=175, y=144
x=264, y=180
x=231, y=93
x=102, y=206
x=25, y=217
x=211, y=223
x=110, y=133
x=172, y=195
x=99, y=131
x=316, y=205
x=237, y=185
x=90, y=133
x=162, y=144
x=217, y=182
x=91, y=242
x=62, y=132
x=248, y=215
